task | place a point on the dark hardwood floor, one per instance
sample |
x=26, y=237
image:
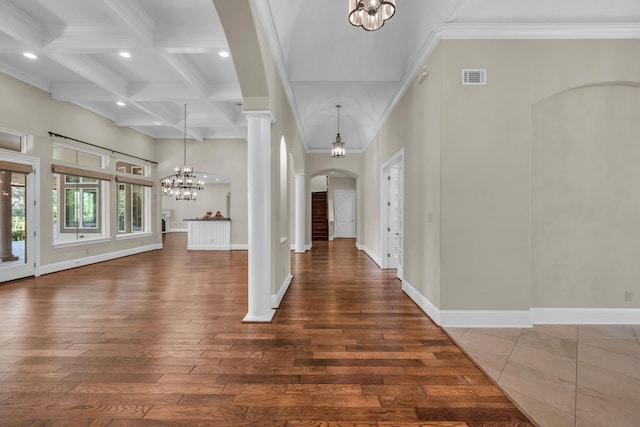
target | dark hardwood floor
x=156, y=340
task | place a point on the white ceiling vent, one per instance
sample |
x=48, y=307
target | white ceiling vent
x=474, y=77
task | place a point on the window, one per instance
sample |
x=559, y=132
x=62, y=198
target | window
x=80, y=195
x=78, y=208
x=81, y=208
x=76, y=156
x=11, y=141
x=122, y=208
x=133, y=198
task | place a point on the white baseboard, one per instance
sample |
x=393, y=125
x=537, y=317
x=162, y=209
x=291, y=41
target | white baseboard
x=309, y=246
x=79, y=262
x=421, y=301
x=208, y=247
x=486, y=318
x=522, y=318
x=370, y=254
x=585, y=316
x=265, y=318
x=240, y=247
x=178, y=230
x=277, y=299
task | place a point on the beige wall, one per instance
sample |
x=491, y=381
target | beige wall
x=224, y=157
x=585, y=200
x=509, y=175
x=415, y=126
x=29, y=110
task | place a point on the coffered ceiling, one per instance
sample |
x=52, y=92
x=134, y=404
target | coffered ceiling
x=322, y=59
x=174, y=60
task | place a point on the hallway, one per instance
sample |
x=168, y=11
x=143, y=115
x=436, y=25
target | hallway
x=157, y=339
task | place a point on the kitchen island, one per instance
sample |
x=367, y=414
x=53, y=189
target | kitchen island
x=209, y=234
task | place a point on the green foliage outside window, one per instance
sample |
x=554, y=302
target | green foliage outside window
x=18, y=213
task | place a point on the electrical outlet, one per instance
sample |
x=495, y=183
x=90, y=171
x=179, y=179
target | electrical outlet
x=628, y=296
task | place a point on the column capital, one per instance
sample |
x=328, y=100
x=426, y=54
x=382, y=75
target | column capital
x=259, y=114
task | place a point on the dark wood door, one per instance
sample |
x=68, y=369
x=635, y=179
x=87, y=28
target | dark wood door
x=319, y=220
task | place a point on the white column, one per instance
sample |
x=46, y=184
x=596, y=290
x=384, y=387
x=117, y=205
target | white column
x=299, y=213
x=259, y=204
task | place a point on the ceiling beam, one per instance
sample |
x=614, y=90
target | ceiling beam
x=94, y=72
x=170, y=115
x=20, y=26
x=132, y=16
x=80, y=92
x=188, y=72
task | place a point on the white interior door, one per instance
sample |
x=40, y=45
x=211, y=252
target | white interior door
x=392, y=215
x=345, y=213
x=396, y=214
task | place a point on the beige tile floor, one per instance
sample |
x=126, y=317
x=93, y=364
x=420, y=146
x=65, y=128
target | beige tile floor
x=564, y=375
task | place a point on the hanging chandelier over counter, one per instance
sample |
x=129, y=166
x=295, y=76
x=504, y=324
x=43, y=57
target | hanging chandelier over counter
x=184, y=185
x=370, y=14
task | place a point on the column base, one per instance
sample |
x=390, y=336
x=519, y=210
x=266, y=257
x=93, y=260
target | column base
x=266, y=318
x=8, y=258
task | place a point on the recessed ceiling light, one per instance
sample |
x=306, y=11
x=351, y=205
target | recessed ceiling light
x=30, y=55
x=204, y=176
x=217, y=179
x=120, y=103
x=223, y=54
x=125, y=54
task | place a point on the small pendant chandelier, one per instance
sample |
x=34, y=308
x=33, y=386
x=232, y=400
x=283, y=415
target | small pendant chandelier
x=184, y=184
x=337, y=148
x=370, y=14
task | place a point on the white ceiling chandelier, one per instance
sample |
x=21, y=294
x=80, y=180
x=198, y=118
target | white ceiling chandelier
x=184, y=184
x=370, y=14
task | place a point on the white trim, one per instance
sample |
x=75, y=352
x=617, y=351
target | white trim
x=585, y=316
x=367, y=251
x=538, y=31
x=276, y=299
x=308, y=247
x=32, y=218
x=240, y=247
x=486, y=318
x=395, y=159
x=126, y=236
x=422, y=302
x=82, y=242
x=65, y=265
x=178, y=230
x=208, y=247
x=267, y=318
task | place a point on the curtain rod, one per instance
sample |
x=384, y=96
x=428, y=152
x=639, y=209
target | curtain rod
x=102, y=148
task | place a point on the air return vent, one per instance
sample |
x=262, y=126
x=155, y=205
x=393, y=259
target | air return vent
x=474, y=77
